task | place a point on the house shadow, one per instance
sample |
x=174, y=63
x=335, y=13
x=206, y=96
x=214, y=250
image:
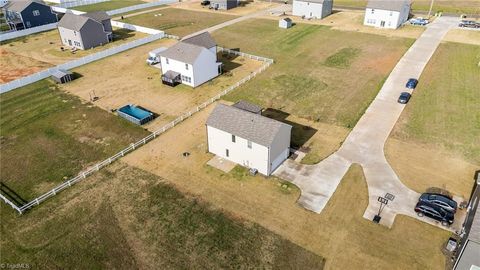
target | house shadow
x=122, y=34
x=12, y=195
x=245, y=3
x=300, y=133
x=227, y=60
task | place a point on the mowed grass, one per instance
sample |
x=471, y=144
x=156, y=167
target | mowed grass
x=178, y=22
x=48, y=136
x=320, y=74
x=449, y=6
x=125, y=218
x=444, y=111
x=109, y=5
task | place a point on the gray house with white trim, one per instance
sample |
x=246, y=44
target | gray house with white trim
x=85, y=31
x=26, y=14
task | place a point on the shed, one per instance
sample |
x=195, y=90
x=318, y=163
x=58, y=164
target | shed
x=285, y=23
x=62, y=76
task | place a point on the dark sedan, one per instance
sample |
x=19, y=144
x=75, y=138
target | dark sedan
x=434, y=212
x=404, y=98
x=412, y=83
x=439, y=200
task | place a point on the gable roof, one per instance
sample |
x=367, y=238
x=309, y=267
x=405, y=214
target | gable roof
x=20, y=5
x=287, y=19
x=392, y=5
x=98, y=16
x=204, y=40
x=59, y=73
x=247, y=106
x=253, y=127
x=183, y=52
x=76, y=22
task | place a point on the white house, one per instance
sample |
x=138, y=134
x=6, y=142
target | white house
x=285, y=23
x=192, y=61
x=248, y=138
x=387, y=13
x=312, y=9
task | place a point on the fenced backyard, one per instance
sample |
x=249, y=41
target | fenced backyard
x=89, y=171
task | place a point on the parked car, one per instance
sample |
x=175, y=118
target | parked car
x=205, y=3
x=434, y=212
x=412, y=83
x=439, y=200
x=418, y=21
x=469, y=24
x=404, y=97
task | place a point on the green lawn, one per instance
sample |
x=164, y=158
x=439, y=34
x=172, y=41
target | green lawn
x=125, y=218
x=452, y=6
x=109, y=5
x=445, y=110
x=319, y=74
x=48, y=136
x=178, y=22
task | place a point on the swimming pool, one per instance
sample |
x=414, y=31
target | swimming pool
x=135, y=114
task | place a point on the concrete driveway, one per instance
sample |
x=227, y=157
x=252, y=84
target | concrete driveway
x=364, y=145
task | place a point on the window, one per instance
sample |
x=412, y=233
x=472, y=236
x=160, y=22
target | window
x=28, y=24
x=166, y=61
x=249, y=144
x=36, y=13
x=227, y=153
x=233, y=138
x=391, y=13
x=373, y=10
x=186, y=66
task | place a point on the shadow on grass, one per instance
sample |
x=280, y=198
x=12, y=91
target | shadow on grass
x=300, y=133
x=12, y=195
x=122, y=34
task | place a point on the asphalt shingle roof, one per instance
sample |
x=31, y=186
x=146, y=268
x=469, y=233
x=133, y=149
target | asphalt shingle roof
x=19, y=6
x=250, y=126
x=183, y=52
x=247, y=106
x=204, y=40
x=392, y=5
x=76, y=22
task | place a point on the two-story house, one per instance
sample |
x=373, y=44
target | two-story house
x=312, y=9
x=85, y=31
x=387, y=13
x=242, y=135
x=191, y=61
x=26, y=14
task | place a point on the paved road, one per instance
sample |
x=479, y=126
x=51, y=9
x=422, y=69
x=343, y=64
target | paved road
x=364, y=145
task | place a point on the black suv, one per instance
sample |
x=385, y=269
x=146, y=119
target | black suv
x=439, y=200
x=435, y=212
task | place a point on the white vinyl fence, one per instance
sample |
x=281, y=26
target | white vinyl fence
x=137, y=28
x=140, y=6
x=82, y=175
x=80, y=3
x=76, y=63
x=28, y=31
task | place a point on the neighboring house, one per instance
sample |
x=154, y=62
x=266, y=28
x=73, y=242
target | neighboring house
x=223, y=4
x=85, y=31
x=285, y=23
x=247, y=138
x=192, y=61
x=387, y=14
x=468, y=252
x=3, y=3
x=26, y=14
x=312, y=9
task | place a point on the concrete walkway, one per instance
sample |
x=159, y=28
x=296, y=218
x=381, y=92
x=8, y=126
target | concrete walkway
x=365, y=143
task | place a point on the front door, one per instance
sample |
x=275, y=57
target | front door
x=382, y=24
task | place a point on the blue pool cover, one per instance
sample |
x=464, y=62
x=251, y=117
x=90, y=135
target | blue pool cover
x=135, y=114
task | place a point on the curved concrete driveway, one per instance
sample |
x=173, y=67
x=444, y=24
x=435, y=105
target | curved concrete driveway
x=364, y=145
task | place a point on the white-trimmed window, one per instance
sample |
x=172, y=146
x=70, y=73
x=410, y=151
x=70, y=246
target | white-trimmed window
x=28, y=23
x=249, y=144
x=166, y=61
x=36, y=13
x=233, y=138
x=186, y=66
x=373, y=10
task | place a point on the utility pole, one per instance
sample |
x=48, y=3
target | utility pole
x=430, y=10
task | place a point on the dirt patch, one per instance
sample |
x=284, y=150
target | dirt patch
x=14, y=66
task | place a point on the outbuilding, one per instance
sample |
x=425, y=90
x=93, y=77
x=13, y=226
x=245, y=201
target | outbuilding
x=223, y=4
x=312, y=9
x=248, y=139
x=62, y=76
x=285, y=23
x=387, y=14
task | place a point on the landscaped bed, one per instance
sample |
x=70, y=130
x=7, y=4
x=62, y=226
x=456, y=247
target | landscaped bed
x=177, y=21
